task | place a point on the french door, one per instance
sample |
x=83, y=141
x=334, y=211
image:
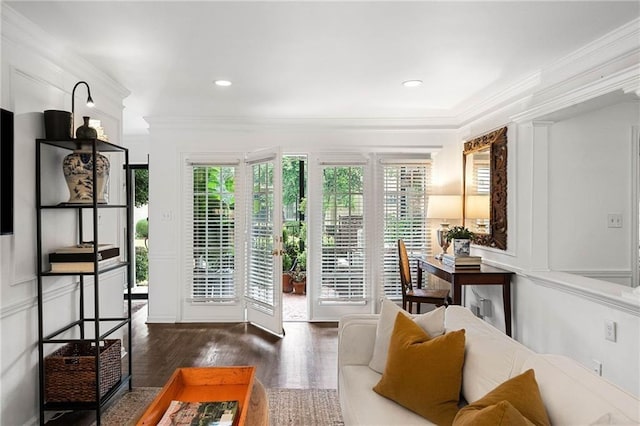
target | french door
x=338, y=213
x=233, y=213
x=263, y=289
x=213, y=250
x=355, y=213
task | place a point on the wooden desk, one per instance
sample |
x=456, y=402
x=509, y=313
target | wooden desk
x=486, y=275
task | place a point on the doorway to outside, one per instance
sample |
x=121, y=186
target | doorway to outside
x=294, y=238
x=140, y=181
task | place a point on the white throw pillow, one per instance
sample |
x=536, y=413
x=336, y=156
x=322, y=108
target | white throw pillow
x=431, y=322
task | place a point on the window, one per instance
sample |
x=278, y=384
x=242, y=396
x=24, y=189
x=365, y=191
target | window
x=211, y=231
x=343, y=253
x=405, y=189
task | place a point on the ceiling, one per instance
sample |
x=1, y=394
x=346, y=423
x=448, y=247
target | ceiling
x=302, y=59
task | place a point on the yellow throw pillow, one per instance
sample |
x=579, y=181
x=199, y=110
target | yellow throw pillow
x=521, y=392
x=500, y=414
x=423, y=374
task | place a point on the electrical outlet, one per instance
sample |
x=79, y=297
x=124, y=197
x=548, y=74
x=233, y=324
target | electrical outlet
x=610, y=330
x=614, y=220
x=485, y=307
x=596, y=366
x=475, y=310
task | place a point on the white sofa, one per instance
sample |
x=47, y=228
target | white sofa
x=572, y=394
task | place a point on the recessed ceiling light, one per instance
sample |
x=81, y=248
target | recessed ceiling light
x=412, y=83
x=223, y=83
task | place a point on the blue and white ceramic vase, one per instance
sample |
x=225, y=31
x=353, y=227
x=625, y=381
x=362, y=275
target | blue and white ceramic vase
x=78, y=172
x=461, y=246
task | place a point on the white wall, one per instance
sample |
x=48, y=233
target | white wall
x=138, y=148
x=36, y=77
x=583, y=110
x=590, y=177
x=556, y=312
x=569, y=319
x=552, y=191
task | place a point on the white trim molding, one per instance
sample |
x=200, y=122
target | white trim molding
x=232, y=123
x=608, y=294
x=47, y=297
x=625, y=80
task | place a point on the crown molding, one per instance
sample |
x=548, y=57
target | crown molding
x=626, y=81
x=440, y=124
x=625, y=38
x=605, y=65
x=601, y=66
x=24, y=34
x=501, y=100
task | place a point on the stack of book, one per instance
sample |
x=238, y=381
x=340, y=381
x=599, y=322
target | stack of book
x=80, y=258
x=464, y=262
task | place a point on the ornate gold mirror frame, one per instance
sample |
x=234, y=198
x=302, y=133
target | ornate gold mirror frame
x=496, y=143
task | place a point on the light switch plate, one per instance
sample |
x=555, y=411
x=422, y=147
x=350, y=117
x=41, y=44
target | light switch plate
x=610, y=330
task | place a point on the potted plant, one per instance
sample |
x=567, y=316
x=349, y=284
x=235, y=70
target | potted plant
x=288, y=258
x=287, y=263
x=299, y=280
x=461, y=238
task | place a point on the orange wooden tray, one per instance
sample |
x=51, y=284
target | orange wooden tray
x=201, y=384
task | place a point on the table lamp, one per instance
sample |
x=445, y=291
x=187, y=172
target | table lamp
x=477, y=207
x=444, y=207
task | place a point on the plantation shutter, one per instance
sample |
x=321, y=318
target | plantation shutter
x=261, y=236
x=481, y=185
x=481, y=174
x=343, y=251
x=405, y=189
x=210, y=232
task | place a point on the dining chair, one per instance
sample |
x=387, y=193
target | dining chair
x=412, y=295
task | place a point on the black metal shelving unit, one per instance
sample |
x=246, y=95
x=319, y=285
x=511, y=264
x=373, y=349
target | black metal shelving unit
x=83, y=322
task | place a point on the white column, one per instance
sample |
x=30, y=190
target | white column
x=635, y=205
x=541, y=132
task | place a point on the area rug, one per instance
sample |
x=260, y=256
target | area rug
x=305, y=407
x=300, y=407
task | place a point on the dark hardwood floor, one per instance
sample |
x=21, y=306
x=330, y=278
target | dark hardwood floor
x=305, y=358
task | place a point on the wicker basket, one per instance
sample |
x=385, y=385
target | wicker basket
x=70, y=372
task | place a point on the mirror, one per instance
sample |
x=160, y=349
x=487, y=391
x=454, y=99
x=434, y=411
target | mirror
x=485, y=188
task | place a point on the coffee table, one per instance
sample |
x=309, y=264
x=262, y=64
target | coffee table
x=201, y=384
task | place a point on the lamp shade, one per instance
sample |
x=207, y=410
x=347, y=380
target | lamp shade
x=444, y=207
x=477, y=207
